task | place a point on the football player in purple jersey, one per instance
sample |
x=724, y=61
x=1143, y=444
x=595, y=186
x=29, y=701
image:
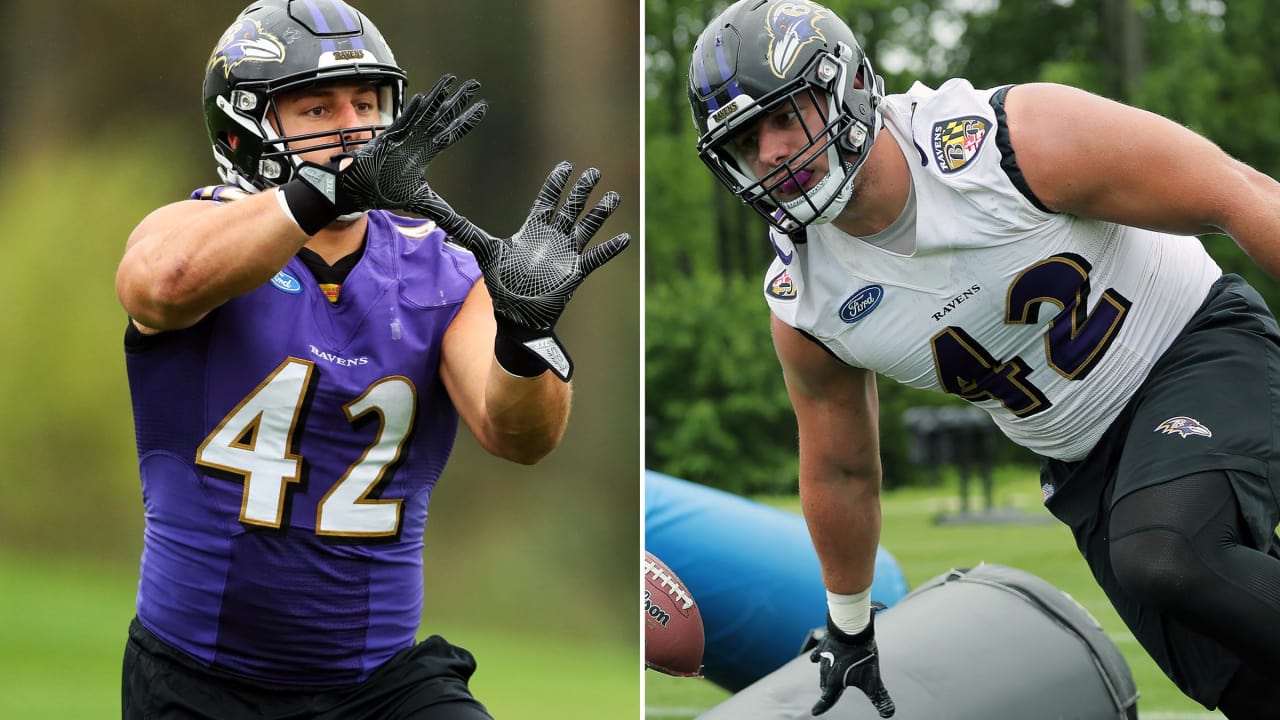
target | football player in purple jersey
x=300, y=349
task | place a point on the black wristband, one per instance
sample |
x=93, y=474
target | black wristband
x=516, y=358
x=512, y=348
x=311, y=197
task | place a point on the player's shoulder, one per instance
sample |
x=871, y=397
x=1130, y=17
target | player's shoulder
x=929, y=110
x=414, y=233
x=433, y=270
x=953, y=126
x=415, y=237
x=783, y=281
x=955, y=93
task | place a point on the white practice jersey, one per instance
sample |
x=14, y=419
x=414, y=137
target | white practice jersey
x=1048, y=321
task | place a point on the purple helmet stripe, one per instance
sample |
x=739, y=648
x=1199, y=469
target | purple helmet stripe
x=322, y=25
x=351, y=23
x=704, y=82
x=725, y=70
x=731, y=88
x=318, y=17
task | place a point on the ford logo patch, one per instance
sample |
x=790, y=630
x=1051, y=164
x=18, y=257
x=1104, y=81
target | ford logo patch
x=287, y=283
x=861, y=303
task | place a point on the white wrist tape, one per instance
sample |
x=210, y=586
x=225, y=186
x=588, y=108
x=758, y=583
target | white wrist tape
x=850, y=613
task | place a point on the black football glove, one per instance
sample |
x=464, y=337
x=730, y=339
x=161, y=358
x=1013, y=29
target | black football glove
x=532, y=275
x=387, y=171
x=850, y=661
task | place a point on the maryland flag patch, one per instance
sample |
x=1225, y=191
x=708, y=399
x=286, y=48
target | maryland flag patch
x=957, y=141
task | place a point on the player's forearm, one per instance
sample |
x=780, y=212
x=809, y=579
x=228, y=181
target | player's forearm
x=525, y=417
x=172, y=275
x=842, y=510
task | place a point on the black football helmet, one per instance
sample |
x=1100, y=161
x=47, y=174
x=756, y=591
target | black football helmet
x=758, y=56
x=279, y=45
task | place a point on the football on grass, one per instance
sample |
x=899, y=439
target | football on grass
x=673, y=637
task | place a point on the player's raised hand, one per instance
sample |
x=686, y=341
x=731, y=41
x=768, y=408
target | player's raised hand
x=850, y=661
x=533, y=274
x=388, y=171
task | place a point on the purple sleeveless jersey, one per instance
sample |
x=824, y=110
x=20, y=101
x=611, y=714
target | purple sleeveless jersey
x=288, y=447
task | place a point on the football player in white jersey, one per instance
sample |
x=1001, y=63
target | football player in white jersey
x=1032, y=250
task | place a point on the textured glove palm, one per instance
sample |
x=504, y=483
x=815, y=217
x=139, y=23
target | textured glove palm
x=388, y=171
x=532, y=275
x=850, y=661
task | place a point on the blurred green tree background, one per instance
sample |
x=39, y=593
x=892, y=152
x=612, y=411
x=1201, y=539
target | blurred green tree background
x=711, y=374
x=102, y=122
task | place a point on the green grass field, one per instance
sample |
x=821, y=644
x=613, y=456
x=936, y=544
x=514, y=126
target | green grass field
x=925, y=549
x=61, y=642
x=63, y=633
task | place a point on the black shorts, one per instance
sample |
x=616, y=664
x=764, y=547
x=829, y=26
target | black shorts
x=1211, y=402
x=425, y=682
